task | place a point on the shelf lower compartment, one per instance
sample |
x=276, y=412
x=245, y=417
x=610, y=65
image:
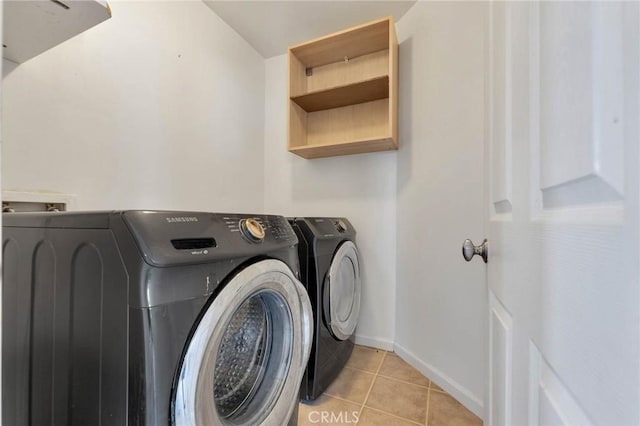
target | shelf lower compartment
x=335, y=97
x=344, y=148
x=346, y=130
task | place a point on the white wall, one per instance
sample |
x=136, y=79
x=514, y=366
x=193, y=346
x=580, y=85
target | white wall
x=440, y=305
x=160, y=107
x=359, y=187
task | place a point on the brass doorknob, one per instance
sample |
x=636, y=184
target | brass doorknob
x=469, y=250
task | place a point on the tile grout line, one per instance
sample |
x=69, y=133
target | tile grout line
x=440, y=391
x=404, y=381
x=384, y=355
x=396, y=379
x=376, y=375
x=341, y=398
x=426, y=420
x=359, y=369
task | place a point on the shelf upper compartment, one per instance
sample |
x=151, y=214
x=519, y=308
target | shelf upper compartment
x=350, y=43
x=349, y=94
x=31, y=27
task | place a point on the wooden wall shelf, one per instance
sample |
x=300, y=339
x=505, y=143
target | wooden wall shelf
x=343, y=92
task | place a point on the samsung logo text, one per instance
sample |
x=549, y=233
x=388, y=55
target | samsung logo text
x=181, y=219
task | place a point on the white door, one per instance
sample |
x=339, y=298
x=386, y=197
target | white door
x=562, y=219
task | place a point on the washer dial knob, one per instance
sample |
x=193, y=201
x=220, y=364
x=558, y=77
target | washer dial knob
x=252, y=230
x=341, y=226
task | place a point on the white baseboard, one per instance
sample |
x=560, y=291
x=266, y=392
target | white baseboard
x=374, y=342
x=459, y=392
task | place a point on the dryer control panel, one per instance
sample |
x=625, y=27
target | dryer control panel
x=328, y=227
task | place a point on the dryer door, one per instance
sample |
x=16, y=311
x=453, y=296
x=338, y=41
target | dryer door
x=246, y=358
x=341, y=294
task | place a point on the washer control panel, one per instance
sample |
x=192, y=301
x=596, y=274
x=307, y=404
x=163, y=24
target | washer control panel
x=281, y=230
x=256, y=229
x=172, y=238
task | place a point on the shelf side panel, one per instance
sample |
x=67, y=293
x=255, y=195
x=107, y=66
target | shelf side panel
x=364, y=121
x=297, y=76
x=297, y=126
x=393, y=84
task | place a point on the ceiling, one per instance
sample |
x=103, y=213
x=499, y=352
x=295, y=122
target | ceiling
x=271, y=26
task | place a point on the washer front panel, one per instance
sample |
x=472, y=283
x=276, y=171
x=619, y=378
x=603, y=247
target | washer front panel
x=342, y=292
x=246, y=358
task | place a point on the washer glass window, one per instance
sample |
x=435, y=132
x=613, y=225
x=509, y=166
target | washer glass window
x=253, y=358
x=245, y=360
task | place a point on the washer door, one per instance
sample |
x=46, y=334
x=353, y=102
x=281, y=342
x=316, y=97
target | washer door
x=341, y=294
x=245, y=361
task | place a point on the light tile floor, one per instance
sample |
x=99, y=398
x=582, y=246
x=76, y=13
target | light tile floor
x=377, y=388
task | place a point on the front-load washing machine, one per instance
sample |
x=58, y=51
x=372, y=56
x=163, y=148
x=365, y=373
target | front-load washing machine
x=151, y=318
x=330, y=271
